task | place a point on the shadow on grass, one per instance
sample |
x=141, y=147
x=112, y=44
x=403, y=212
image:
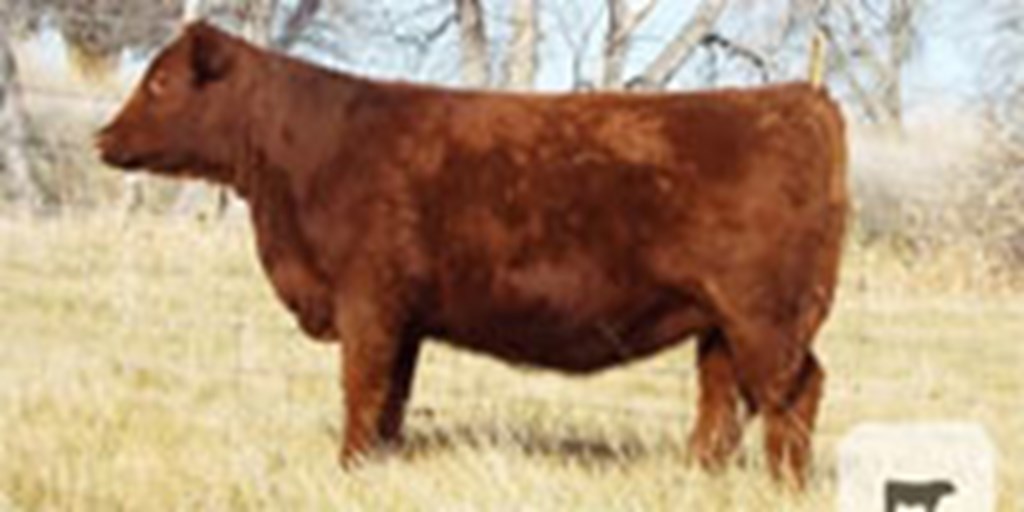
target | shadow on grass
x=570, y=443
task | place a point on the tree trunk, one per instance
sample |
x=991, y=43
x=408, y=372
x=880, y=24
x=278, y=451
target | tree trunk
x=521, y=61
x=14, y=162
x=259, y=20
x=900, y=33
x=298, y=21
x=882, y=102
x=473, y=43
x=621, y=24
x=681, y=48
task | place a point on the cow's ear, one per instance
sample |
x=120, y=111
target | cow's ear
x=211, y=55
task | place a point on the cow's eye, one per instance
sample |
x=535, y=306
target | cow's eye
x=157, y=85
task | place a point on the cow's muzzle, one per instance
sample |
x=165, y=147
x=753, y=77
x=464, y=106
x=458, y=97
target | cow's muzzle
x=113, y=154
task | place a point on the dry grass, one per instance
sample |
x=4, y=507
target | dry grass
x=144, y=365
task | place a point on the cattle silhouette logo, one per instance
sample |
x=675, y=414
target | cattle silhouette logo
x=916, y=494
x=929, y=467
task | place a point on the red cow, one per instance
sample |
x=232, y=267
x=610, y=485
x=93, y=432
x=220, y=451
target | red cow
x=568, y=231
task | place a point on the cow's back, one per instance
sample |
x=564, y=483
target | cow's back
x=550, y=221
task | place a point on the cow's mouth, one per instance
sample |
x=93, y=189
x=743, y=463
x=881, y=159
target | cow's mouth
x=122, y=160
x=132, y=161
x=114, y=156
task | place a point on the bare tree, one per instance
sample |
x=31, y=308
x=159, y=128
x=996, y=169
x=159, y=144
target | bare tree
x=871, y=40
x=97, y=31
x=521, y=59
x=17, y=177
x=682, y=46
x=1002, y=78
x=874, y=47
x=622, y=22
x=1002, y=84
x=14, y=160
x=299, y=21
x=473, y=43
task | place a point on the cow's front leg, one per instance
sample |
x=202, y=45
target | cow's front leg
x=378, y=362
x=403, y=370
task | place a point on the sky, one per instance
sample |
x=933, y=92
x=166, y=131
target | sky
x=950, y=61
x=946, y=67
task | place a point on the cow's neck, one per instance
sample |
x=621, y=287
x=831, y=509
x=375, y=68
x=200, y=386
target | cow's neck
x=296, y=127
x=277, y=155
x=297, y=120
x=279, y=238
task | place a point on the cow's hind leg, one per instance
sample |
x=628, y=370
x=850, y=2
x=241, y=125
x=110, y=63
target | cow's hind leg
x=785, y=383
x=720, y=419
x=789, y=422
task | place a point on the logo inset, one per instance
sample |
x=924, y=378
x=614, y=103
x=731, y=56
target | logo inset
x=916, y=494
x=935, y=467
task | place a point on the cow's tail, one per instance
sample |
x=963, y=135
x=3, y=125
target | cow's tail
x=819, y=54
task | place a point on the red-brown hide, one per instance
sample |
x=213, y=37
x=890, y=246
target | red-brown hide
x=573, y=232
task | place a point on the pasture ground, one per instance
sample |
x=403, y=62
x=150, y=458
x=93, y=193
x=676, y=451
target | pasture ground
x=145, y=365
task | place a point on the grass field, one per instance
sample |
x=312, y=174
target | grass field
x=144, y=365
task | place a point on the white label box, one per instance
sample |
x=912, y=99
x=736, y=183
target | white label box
x=930, y=467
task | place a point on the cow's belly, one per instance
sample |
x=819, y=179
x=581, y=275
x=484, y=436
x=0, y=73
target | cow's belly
x=578, y=329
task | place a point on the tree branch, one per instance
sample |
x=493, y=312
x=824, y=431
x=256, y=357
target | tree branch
x=298, y=21
x=621, y=25
x=763, y=66
x=424, y=40
x=864, y=98
x=681, y=48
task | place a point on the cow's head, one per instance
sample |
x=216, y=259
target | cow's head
x=179, y=119
x=945, y=487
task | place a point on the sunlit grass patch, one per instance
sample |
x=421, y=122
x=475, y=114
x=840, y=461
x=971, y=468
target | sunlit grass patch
x=145, y=365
